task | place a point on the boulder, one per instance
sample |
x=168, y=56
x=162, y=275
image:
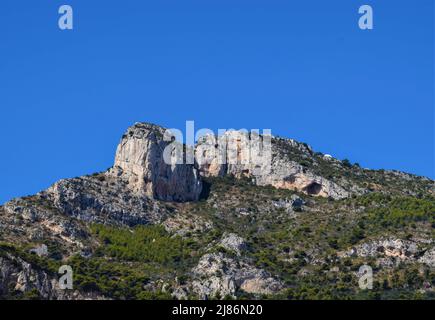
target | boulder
x=219, y=275
x=233, y=242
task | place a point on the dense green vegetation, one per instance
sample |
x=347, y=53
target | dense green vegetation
x=116, y=279
x=402, y=210
x=130, y=259
x=147, y=244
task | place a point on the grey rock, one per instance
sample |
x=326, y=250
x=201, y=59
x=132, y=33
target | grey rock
x=51, y=224
x=102, y=199
x=140, y=161
x=295, y=203
x=41, y=251
x=234, y=153
x=217, y=274
x=233, y=242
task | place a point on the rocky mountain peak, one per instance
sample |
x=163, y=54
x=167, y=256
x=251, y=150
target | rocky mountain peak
x=140, y=161
x=141, y=129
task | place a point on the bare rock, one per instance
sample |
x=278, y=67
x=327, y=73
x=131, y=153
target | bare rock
x=219, y=275
x=233, y=242
x=41, y=251
x=295, y=203
x=428, y=258
x=104, y=199
x=262, y=158
x=388, y=249
x=140, y=160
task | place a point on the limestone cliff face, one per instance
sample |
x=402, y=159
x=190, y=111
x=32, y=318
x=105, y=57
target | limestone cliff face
x=140, y=161
x=262, y=158
x=234, y=153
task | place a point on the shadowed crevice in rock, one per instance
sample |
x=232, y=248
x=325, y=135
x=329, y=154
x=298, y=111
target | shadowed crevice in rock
x=206, y=188
x=313, y=188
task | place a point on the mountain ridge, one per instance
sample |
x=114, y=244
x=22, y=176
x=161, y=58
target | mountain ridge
x=216, y=212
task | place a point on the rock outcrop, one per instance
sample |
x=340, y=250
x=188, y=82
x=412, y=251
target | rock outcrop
x=18, y=277
x=233, y=242
x=152, y=165
x=295, y=203
x=260, y=157
x=428, y=257
x=102, y=198
x=219, y=275
x=398, y=249
x=35, y=219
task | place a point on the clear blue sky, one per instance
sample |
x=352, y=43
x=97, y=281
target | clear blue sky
x=302, y=68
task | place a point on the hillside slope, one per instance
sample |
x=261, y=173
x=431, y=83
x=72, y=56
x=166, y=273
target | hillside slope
x=145, y=229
